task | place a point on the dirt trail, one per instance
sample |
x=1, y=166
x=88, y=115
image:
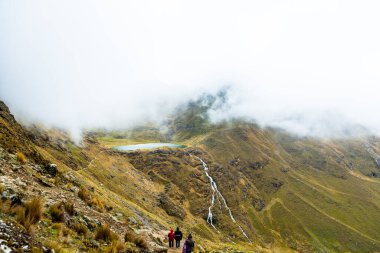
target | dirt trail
x=174, y=250
x=94, y=159
x=363, y=177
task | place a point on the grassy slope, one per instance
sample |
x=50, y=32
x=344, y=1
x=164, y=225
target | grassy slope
x=322, y=204
x=326, y=201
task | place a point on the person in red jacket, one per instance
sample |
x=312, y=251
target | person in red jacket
x=171, y=238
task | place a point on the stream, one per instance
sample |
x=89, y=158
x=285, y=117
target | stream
x=216, y=193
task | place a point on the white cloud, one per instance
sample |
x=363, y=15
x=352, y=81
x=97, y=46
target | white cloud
x=89, y=63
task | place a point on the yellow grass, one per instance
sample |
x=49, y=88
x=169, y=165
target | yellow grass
x=21, y=157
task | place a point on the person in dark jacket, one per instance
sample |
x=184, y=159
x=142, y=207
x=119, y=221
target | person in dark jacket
x=189, y=244
x=171, y=238
x=178, y=237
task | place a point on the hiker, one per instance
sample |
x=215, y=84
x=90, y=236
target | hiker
x=178, y=237
x=188, y=246
x=171, y=238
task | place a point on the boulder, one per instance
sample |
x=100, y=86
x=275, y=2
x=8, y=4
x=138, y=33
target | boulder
x=15, y=200
x=51, y=169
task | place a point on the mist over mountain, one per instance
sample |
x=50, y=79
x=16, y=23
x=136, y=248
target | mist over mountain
x=311, y=68
x=250, y=125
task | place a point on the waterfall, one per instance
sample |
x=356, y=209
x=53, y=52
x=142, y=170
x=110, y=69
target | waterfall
x=219, y=195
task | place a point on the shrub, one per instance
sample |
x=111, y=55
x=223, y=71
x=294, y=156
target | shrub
x=129, y=236
x=141, y=243
x=84, y=194
x=21, y=157
x=97, y=203
x=79, y=228
x=30, y=214
x=36, y=250
x=62, y=229
x=56, y=213
x=69, y=208
x=91, y=200
x=116, y=247
x=57, y=226
x=1, y=189
x=34, y=210
x=6, y=207
x=104, y=233
x=65, y=231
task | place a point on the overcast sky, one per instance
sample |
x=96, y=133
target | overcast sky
x=312, y=67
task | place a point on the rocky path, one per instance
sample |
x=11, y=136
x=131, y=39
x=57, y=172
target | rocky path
x=94, y=159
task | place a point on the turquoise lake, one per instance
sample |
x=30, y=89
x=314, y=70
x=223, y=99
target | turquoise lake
x=147, y=146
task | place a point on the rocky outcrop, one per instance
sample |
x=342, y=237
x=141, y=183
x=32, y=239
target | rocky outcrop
x=374, y=155
x=13, y=238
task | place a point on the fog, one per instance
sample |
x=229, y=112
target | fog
x=310, y=67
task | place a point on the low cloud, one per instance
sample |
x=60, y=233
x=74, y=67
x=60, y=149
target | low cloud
x=311, y=68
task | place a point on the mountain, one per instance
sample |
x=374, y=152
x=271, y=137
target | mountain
x=272, y=191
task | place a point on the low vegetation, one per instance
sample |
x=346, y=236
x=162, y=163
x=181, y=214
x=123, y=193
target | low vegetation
x=90, y=199
x=104, y=233
x=30, y=213
x=84, y=194
x=58, y=210
x=141, y=242
x=79, y=228
x=138, y=240
x=69, y=208
x=129, y=236
x=56, y=213
x=21, y=157
x=116, y=247
x=63, y=231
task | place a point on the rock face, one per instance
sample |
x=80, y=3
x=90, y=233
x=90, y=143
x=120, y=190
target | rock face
x=374, y=155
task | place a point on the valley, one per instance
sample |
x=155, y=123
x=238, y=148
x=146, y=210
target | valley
x=236, y=187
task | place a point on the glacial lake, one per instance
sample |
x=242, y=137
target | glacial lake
x=147, y=146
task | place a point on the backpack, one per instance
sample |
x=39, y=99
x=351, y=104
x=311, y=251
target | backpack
x=178, y=235
x=190, y=244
